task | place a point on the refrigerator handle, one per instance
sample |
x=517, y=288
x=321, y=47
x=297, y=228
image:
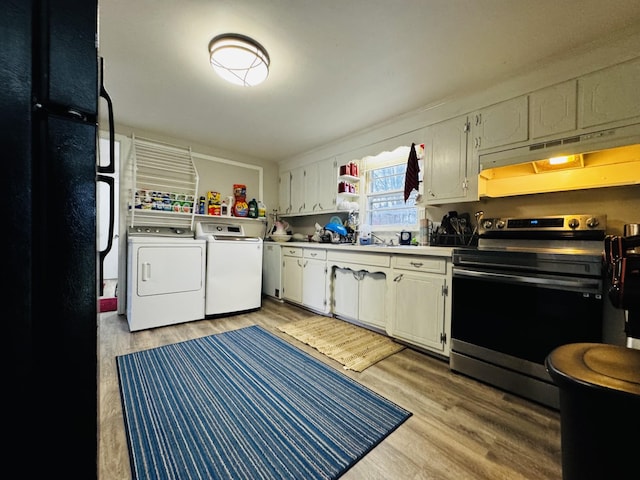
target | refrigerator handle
x=110, y=168
x=103, y=253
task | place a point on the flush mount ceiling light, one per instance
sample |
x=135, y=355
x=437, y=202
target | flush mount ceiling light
x=239, y=59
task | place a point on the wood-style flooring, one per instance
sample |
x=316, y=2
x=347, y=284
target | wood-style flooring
x=460, y=429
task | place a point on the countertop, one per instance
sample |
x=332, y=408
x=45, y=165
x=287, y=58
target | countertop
x=444, y=251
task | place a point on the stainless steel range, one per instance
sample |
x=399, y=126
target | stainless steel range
x=531, y=285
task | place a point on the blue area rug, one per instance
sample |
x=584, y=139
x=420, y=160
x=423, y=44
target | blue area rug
x=245, y=404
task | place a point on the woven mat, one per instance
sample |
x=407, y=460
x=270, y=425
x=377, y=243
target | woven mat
x=354, y=347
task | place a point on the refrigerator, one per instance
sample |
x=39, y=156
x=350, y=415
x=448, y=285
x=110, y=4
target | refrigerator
x=50, y=95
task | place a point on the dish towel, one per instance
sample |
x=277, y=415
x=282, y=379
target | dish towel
x=411, y=181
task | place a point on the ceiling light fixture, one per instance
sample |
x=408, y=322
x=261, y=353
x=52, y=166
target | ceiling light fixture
x=239, y=59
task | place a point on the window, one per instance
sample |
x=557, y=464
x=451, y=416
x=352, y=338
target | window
x=384, y=188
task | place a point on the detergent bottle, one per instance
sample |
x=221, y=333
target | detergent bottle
x=253, y=208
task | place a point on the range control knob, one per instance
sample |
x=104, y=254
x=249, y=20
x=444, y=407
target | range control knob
x=592, y=222
x=574, y=223
x=500, y=224
x=487, y=224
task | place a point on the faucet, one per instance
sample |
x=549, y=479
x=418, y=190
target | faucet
x=380, y=240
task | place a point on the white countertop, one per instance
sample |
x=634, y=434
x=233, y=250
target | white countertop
x=392, y=250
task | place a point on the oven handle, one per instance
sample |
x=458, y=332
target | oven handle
x=586, y=285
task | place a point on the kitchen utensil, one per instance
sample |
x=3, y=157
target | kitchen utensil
x=631, y=229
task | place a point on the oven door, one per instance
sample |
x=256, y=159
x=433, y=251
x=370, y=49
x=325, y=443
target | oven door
x=505, y=323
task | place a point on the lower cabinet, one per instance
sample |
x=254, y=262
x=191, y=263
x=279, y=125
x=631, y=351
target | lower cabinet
x=420, y=302
x=314, y=280
x=404, y=296
x=292, y=274
x=360, y=295
x=304, y=277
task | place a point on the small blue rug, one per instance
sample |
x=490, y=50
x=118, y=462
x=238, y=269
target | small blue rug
x=246, y=404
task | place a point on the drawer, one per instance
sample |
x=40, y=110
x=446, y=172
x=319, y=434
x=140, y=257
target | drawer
x=378, y=260
x=417, y=263
x=315, y=253
x=292, y=251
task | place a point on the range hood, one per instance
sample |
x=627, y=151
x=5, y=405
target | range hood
x=573, y=145
x=600, y=162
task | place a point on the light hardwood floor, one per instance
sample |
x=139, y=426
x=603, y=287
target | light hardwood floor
x=460, y=428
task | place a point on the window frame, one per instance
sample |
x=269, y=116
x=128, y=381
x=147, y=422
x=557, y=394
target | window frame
x=397, y=157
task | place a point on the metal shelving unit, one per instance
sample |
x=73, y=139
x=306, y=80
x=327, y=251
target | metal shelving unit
x=164, y=185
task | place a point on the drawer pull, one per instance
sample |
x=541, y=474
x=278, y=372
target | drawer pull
x=416, y=264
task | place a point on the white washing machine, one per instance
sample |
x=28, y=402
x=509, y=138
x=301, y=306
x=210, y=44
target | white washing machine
x=234, y=269
x=165, y=277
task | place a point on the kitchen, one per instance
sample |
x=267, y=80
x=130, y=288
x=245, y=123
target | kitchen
x=619, y=202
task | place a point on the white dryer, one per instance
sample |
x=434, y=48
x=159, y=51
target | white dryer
x=165, y=277
x=234, y=269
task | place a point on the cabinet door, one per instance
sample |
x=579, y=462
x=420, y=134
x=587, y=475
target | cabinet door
x=314, y=284
x=372, y=299
x=553, y=110
x=609, y=95
x=503, y=124
x=310, y=191
x=292, y=278
x=284, y=197
x=345, y=286
x=297, y=190
x=445, y=161
x=326, y=186
x=418, y=314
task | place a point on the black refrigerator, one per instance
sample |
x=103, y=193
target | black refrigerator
x=49, y=97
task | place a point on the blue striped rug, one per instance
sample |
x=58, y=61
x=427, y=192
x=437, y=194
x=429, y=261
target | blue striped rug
x=245, y=404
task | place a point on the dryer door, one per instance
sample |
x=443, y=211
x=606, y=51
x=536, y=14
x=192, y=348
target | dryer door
x=169, y=269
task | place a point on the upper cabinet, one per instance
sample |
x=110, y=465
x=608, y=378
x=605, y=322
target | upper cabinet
x=504, y=123
x=609, y=95
x=450, y=171
x=284, y=189
x=553, y=110
x=308, y=189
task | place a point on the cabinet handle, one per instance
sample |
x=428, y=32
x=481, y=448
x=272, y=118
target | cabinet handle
x=416, y=264
x=313, y=254
x=398, y=278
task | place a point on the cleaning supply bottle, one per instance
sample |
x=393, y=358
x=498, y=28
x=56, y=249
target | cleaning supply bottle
x=253, y=208
x=262, y=209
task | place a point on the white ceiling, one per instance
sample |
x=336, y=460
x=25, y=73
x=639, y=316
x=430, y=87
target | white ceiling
x=337, y=66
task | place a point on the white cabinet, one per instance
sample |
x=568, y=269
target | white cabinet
x=292, y=262
x=308, y=189
x=325, y=181
x=314, y=280
x=451, y=172
x=304, y=277
x=359, y=286
x=421, y=310
x=298, y=190
x=345, y=289
x=320, y=178
x=284, y=192
x=553, y=110
x=360, y=294
x=610, y=95
x=272, y=270
x=504, y=123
